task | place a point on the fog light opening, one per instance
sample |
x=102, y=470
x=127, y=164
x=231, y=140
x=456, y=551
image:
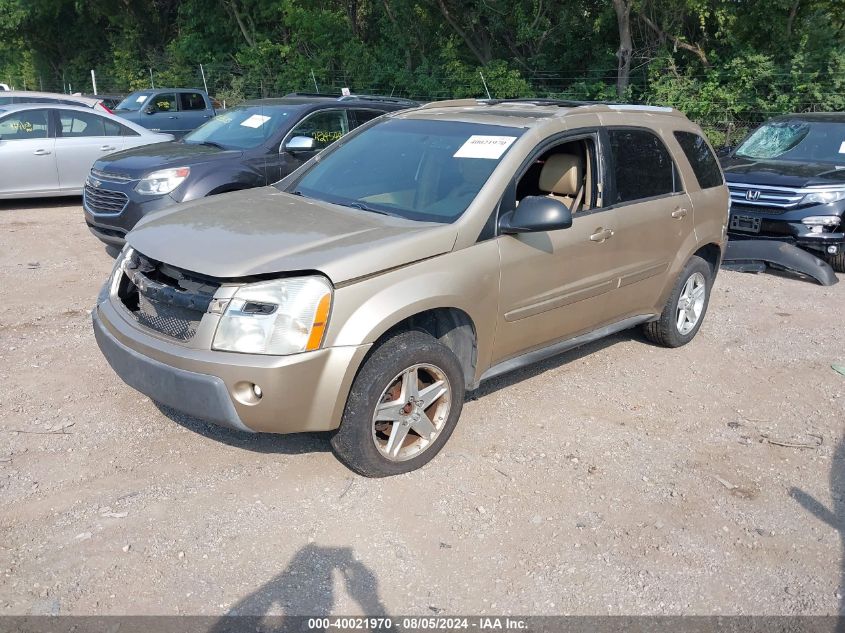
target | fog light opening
x=247, y=392
x=832, y=250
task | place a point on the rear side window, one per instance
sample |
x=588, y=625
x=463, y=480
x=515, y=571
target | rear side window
x=80, y=124
x=641, y=166
x=704, y=164
x=191, y=101
x=359, y=117
x=24, y=125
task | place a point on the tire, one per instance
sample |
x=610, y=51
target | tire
x=667, y=330
x=367, y=445
x=837, y=262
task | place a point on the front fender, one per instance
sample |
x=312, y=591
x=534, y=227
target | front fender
x=468, y=279
x=221, y=182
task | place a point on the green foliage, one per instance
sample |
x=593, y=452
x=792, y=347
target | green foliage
x=727, y=64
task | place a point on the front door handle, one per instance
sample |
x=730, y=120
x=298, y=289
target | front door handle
x=107, y=148
x=679, y=213
x=42, y=152
x=601, y=235
x=173, y=117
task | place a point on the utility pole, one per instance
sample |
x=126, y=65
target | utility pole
x=204, y=85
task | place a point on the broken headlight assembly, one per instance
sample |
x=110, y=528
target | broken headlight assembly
x=821, y=223
x=280, y=317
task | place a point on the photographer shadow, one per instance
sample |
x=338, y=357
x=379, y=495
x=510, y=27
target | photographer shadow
x=305, y=588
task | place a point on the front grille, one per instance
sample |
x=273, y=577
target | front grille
x=104, y=201
x=742, y=208
x=165, y=299
x=172, y=321
x=106, y=175
x=765, y=196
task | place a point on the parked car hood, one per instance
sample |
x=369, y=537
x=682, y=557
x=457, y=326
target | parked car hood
x=782, y=173
x=264, y=230
x=137, y=161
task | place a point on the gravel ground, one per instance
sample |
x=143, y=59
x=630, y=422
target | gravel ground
x=620, y=478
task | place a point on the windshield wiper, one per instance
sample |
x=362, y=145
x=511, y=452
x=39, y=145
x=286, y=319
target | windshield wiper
x=363, y=207
x=211, y=144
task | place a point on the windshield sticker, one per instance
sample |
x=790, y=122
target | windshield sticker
x=141, y=99
x=480, y=146
x=255, y=121
x=842, y=148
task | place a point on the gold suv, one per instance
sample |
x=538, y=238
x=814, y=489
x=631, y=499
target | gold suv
x=425, y=252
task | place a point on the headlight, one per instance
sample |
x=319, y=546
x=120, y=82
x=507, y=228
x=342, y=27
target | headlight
x=162, y=181
x=285, y=316
x=823, y=197
x=821, y=220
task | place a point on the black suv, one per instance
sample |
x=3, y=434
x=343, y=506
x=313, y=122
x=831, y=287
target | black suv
x=251, y=145
x=787, y=182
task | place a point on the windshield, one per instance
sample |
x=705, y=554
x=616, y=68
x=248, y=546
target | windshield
x=804, y=141
x=243, y=127
x=133, y=102
x=420, y=170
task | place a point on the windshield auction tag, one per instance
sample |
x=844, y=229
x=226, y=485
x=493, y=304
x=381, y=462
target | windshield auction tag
x=256, y=120
x=842, y=148
x=480, y=146
x=141, y=99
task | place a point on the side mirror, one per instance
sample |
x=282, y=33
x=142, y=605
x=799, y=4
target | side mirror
x=150, y=109
x=536, y=214
x=301, y=144
x=724, y=152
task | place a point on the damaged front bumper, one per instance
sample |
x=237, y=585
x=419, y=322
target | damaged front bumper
x=750, y=255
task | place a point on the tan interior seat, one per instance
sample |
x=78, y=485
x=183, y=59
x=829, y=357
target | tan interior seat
x=562, y=177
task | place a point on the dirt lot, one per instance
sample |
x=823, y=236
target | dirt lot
x=618, y=479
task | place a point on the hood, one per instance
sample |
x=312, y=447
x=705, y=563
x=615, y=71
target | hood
x=782, y=173
x=263, y=230
x=137, y=161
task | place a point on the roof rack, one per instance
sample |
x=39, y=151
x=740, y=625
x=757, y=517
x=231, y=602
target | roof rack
x=355, y=97
x=563, y=103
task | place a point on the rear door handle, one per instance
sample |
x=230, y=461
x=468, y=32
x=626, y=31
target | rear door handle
x=42, y=152
x=679, y=213
x=601, y=235
x=107, y=148
x=173, y=117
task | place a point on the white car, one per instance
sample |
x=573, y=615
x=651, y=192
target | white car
x=48, y=149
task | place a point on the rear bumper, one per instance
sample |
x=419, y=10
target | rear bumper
x=300, y=392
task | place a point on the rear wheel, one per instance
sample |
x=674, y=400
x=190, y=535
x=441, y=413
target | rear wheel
x=402, y=408
x=684, y=311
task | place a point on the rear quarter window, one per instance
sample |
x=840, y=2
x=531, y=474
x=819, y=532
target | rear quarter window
x=701, y=159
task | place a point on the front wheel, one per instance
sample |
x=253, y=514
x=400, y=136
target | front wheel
x=837, y=262
x=402, y=407
x=684, y=311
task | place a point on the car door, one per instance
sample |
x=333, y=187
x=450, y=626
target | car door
x=27, y=141
x=653, y=217
x=557, y=284
x=192, y=111
x=81, y=139
x=324, y=126
x=161, y=114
